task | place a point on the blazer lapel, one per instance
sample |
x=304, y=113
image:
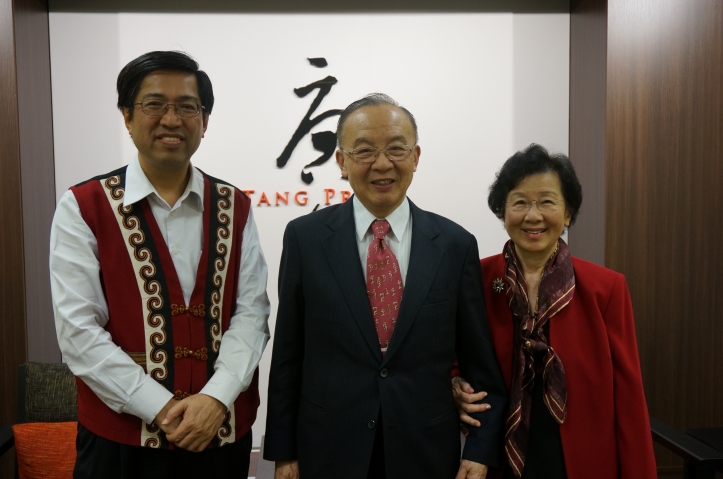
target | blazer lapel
x=342, y=253
x=424, y=260
x=499, y=315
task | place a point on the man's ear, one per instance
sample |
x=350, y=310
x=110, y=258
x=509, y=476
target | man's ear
x=340, y=162
x=417, y=153
x=127, y=118
x=206, y=117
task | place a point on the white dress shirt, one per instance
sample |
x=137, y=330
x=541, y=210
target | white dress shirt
x=399, y=238
x=81, y=311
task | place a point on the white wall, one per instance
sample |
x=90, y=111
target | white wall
x=480, y=85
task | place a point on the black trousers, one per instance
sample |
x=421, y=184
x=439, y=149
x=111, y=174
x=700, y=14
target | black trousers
x=377, y=468
x=99, y=458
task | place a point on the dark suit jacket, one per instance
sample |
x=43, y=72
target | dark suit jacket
x=607, y=432
x=329, y=381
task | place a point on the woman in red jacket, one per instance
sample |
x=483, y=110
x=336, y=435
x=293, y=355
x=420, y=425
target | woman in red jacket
x=564, y=337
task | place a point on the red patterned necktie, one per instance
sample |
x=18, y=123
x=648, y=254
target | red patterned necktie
x=384, y=284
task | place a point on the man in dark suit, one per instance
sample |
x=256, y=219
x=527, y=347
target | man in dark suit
x=377, y=299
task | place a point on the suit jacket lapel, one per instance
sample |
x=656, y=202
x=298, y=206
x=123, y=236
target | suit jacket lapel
x=342, y=253
x=424, y=260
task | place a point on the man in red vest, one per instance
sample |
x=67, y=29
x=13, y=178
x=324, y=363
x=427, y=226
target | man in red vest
x=159, y=291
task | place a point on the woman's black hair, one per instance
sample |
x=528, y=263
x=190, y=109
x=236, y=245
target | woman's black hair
x=131, y=77
x=533, y=160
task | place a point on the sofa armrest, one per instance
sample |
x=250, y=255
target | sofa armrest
x=7, y=440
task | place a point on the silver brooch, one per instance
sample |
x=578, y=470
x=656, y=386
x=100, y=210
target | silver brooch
x=498, y=285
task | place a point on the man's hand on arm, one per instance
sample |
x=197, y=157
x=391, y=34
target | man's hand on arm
x=466, y=399
x=201, y=417
x=470, y=470
x=286, y=470
x=171, y=426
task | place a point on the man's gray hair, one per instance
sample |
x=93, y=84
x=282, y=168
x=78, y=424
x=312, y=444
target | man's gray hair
x=372, y=99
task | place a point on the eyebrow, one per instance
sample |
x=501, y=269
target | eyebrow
x=542, y=193
x=393, y=139
x=180, y=98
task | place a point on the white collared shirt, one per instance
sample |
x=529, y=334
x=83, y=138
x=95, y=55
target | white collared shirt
x=399, y=237
x=81, y=311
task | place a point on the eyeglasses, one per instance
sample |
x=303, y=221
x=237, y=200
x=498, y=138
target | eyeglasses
x=369, y=154
x=184, y=109
x=522, y=205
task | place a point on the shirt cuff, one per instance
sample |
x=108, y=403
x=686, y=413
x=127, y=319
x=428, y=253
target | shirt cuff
x=223, y=386
x=148, y=400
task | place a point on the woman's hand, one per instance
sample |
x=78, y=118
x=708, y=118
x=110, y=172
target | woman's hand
x=465, y=398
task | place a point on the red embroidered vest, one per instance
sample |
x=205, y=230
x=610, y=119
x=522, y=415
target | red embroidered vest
x=176, y=343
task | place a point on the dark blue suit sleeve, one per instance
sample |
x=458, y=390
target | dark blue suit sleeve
x=287, y=357
x=478, y=365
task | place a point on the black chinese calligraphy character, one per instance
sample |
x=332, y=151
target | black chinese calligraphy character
x=324, y=141
x=318, y=62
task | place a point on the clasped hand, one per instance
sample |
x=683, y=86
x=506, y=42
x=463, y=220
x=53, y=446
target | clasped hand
x=192, y=422
x=468, y=401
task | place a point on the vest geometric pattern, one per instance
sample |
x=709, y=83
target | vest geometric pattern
x=176, y=343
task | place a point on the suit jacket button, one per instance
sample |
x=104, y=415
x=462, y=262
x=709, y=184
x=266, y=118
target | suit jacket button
x=384, y=372
x=372, y=424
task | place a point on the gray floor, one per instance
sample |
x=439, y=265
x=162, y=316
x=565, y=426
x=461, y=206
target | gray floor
x=264, y=468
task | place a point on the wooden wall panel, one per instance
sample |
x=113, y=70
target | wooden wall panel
x=653, y=196
x=12, y=275
x=27, y=195
x=38, y=171
x=664, y=197
x=588, y=58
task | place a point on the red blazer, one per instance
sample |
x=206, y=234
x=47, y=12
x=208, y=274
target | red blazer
x=607, y=432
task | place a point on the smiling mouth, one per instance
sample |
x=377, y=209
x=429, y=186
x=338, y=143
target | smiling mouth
x=170, y=139
x=534, y=233
x=382, y=182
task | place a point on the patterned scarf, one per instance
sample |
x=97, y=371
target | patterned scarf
x=557, y=287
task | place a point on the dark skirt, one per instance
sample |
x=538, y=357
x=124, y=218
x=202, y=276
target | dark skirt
x=544, y=458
